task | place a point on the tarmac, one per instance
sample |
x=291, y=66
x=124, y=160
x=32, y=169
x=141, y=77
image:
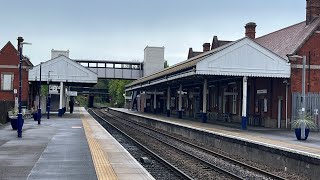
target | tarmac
x=71, y=147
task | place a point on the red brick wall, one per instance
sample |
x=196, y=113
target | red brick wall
x=9, y=56
x=311, y=49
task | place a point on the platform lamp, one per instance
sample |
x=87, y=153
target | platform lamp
x=20, y=120
x=303, y=99
x=49, y=96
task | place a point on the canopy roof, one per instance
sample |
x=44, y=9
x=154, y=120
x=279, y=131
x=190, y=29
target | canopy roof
x=243, y=57
x=62, y=69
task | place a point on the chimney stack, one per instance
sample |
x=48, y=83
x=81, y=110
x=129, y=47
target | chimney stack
x=313, y=10
x=251, y=30
x=206, y=47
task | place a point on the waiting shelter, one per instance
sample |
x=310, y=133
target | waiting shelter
x=58, y=73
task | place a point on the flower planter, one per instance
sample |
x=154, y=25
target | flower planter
x=35, y=116
x=298, y=133
x=14, y=122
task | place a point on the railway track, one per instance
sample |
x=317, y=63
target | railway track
x=233, y=168
x=200, y=150
x=156, y=170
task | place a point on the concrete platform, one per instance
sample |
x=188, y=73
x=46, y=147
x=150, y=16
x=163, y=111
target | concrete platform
x=274, y=138
x=72, y=147
x=276, y=148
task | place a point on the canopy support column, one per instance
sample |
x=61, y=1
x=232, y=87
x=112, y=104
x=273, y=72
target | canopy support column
x=180, y=102
x=244, y=103
x=168, y=101
x=61, y=99
x=204, y=101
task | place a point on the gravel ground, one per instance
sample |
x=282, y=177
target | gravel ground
x=155, y=168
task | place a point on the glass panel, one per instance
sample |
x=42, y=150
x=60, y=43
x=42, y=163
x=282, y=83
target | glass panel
x=101, y=65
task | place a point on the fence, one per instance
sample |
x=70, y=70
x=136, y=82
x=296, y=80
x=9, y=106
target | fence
x=312, y=102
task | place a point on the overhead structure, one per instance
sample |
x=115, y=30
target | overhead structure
x=62, y=71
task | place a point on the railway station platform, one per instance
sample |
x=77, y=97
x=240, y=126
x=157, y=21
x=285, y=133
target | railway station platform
x=273, y=138
x=74, y=146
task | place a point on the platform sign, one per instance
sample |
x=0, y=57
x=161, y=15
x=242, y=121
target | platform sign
x=54, y=89
x=72, y=93
x=262, y=91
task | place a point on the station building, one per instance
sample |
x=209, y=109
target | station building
x=251, y=81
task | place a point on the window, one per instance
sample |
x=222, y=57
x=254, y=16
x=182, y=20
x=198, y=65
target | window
x=6, y=81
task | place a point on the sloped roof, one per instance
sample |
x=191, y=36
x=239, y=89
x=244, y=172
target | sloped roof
x=26, y=59
x=288, y=40
x=62, y=69
x=180, y=66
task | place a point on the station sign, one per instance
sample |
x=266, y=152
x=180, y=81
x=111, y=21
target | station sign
x=54, y=89
x=262, y=91
x=72, y=93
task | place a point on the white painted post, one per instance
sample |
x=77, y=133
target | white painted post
x=204, y=96
x=180, y=97
x=61, y=99
x=204, y=101
x=168, y=101
x=180, y=101
x=155, y=102
x=244, y=103
x=287, y=106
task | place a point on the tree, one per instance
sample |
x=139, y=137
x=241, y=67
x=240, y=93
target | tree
x=116, y=91
x=166, y=64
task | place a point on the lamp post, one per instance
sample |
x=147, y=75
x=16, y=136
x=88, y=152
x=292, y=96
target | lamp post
x=49, y=96
x=303, y=103
x=20, y=120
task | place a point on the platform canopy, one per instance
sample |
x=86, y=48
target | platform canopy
x=62, y=69
x=243, y=57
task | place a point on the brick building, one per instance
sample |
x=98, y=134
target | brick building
x=9, y=70
x=251, y=78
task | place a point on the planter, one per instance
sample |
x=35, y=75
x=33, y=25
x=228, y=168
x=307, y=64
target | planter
x=14, y=122
x=35, y=116
x=298, y=133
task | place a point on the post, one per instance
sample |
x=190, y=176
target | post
x=49, y=97
x=168, y=101
x=204, y=101
x=60, y=103
x=155, y=102
x=145, y=102
x=39, y=107
x=180, y=102
x=303, y=105
x=244, y=104
x=287, y=105
x=20, y=120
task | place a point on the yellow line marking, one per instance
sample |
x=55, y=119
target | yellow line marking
x=101, y=163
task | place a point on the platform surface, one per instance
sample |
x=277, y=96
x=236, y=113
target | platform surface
x=74, y=146
x=276, y=138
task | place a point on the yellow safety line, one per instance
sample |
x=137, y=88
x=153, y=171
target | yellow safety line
x=101, y=163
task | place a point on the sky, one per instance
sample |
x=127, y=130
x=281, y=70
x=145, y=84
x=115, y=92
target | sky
x=121, y=29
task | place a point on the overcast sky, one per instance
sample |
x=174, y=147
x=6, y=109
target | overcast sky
x=121, y=29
